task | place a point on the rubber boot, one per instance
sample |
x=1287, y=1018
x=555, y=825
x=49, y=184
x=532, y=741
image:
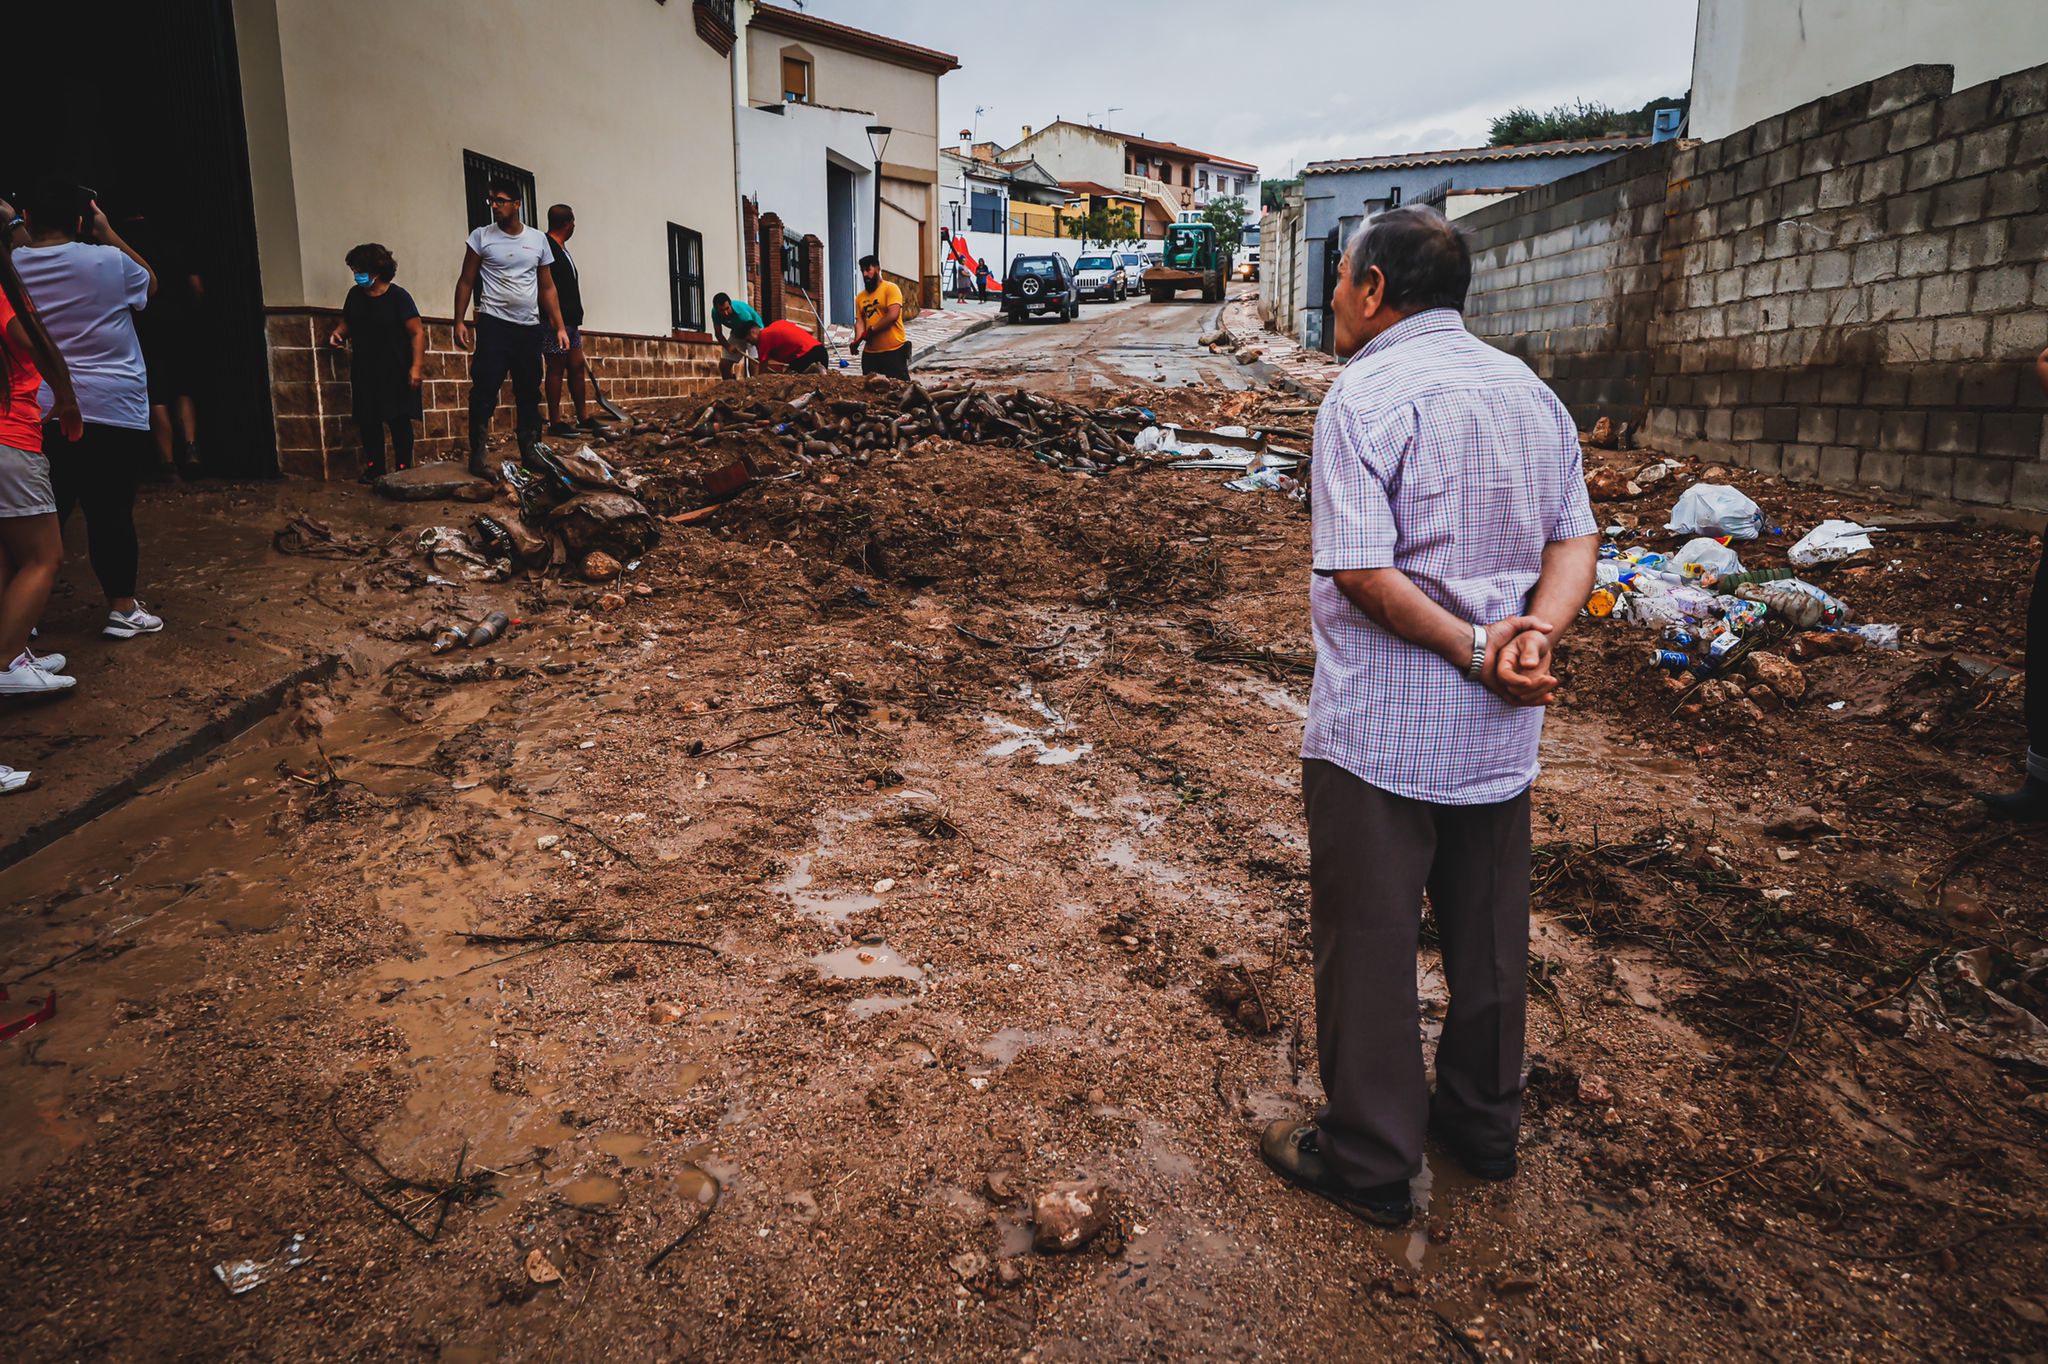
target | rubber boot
x=479, y=433
x=529, y=438
x=2028, y=805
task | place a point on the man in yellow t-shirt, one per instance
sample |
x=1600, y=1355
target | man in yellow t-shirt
x=880, y=305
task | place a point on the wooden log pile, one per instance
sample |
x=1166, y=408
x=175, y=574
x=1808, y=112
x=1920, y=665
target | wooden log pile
x=816, y=426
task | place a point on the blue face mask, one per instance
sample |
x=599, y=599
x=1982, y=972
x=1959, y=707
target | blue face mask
x=363, y=279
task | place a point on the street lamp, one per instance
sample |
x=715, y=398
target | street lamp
x=878, y=138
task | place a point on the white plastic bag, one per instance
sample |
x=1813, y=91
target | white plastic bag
x=1829, y=542
x=1715, y=509
x=1704, y=557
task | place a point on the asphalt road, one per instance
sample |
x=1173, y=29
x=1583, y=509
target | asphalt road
x=1109, y=346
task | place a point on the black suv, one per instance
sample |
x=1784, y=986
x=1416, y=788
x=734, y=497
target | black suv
x=1040, y=284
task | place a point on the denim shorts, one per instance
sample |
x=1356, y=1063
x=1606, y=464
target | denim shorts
x=25, y=483
x=548, y=347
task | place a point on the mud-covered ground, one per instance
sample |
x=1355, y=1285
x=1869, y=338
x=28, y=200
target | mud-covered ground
x=716, y=976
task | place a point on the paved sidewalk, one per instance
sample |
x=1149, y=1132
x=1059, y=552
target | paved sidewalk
x=929, y=329
x=1312, y=369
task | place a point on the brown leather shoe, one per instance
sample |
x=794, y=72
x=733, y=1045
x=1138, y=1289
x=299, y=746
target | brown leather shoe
x=1293, y=1149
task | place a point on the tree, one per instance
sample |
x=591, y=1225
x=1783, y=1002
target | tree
x=1227, y=216
x=1579, y=119
x=1273, y=193
x=1106, y=224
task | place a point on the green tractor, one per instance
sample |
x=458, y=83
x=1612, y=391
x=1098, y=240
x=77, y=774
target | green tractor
x=1192, y=260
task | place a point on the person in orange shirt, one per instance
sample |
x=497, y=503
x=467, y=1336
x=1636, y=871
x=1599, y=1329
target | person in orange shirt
x=31, y=543
x=880, y=305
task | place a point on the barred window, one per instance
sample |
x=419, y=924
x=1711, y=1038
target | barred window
x=685, y=279
x=478, y=171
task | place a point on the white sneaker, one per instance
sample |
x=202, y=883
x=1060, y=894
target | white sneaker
x=49, y=663
x=129, y=624
x=11, y=780
x=26, y=679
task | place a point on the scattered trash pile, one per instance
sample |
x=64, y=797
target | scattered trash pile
x=1717, y=620
x=1264, y=468
x=1979, y=997
x=574, y=509
x=1227, y=342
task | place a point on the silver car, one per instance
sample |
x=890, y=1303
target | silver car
x=1134, y=270
x=1100, y=277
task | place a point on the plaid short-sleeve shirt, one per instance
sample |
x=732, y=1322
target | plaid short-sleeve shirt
x=1441, y=456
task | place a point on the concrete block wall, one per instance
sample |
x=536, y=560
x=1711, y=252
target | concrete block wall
x=1851, y=292
x=1854, y=292
x=1567, y=277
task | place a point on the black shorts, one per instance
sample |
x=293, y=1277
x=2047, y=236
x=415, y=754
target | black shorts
x=814, y=358
x=894, y=363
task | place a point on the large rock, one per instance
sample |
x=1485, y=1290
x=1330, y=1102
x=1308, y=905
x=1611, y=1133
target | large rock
x=443, y=481
x=1066, y=1215
x=612, y=522
x=1778, y=673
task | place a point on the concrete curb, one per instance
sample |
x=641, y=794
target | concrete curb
x=167, y=761
x=971, y=329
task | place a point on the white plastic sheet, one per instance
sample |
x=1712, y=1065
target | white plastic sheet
x=1830, y=542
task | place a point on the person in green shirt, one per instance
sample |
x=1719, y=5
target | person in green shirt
x=728, y=316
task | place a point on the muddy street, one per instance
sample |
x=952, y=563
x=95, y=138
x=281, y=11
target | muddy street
x=1107, y=349
x=719, y=970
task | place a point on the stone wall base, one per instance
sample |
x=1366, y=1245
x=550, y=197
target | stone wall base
x=310, y=391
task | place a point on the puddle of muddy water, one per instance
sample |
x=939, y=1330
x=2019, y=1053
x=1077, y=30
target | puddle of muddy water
x=592, y=1191
x=1024, y=739
x=865, y=962
x=797, y=884
x=127, y=904
x=627, y=1148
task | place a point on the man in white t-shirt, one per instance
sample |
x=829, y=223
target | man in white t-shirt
x=87, y=285
x=509, y=259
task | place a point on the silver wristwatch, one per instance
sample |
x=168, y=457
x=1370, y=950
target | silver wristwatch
x=1478, y=653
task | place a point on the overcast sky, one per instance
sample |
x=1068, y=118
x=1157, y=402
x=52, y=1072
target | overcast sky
x=1276, y=82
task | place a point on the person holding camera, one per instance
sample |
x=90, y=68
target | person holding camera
x=87, y=286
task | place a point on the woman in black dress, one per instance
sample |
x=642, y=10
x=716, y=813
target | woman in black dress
x=382, y=323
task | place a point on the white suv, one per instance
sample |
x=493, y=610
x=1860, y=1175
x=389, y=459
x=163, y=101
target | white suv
x=1100, y=277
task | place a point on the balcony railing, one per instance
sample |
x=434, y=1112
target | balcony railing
x=715, y=24
x=1139, y=184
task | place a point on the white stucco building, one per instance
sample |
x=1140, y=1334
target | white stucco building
x=812, y=88
x=1755, y=58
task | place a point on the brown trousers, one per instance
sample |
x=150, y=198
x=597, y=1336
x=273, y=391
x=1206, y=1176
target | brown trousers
x=1371, y=856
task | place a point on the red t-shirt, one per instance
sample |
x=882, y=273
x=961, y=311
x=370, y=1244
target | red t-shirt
x=784, y=343
x=21, y=416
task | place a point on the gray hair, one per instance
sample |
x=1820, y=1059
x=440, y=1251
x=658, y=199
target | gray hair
x=1423, y=258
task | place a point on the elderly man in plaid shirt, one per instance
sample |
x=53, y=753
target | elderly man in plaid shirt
x=1453, y=542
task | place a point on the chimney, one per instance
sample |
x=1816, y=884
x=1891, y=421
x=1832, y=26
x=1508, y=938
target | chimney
x=1027, y=130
